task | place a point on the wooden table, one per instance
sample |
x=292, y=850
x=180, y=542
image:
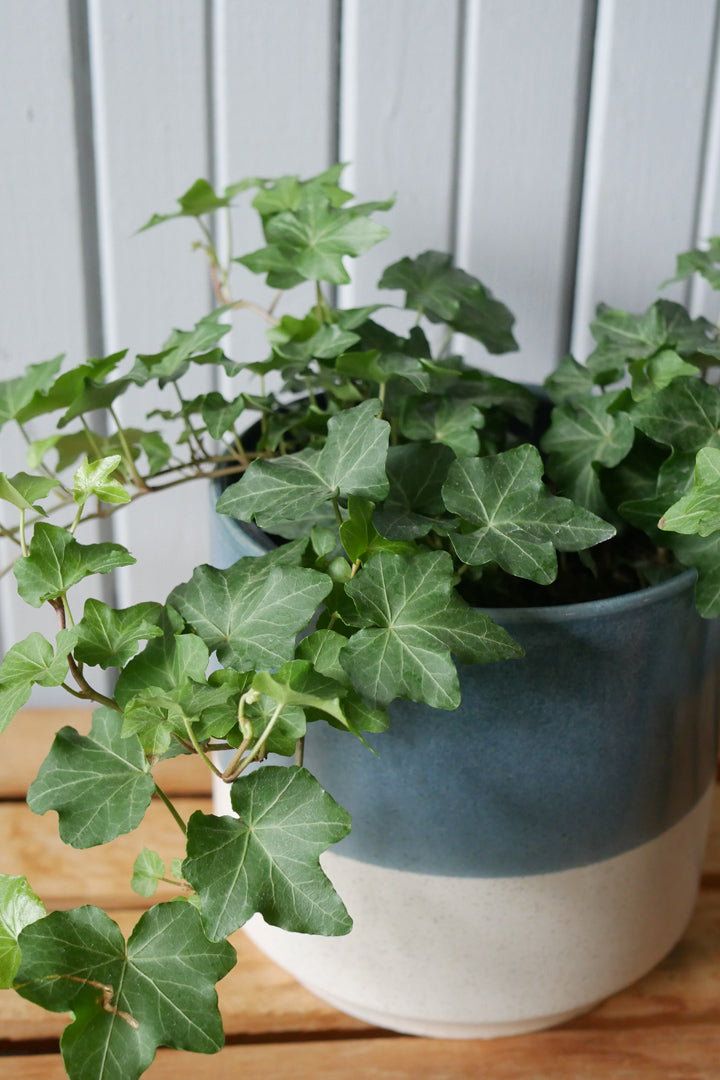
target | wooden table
x=666, y=1027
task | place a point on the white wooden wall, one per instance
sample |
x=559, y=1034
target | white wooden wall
x=564, y=149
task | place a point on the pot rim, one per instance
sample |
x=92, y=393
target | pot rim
x=612, y=605
x=583, y=609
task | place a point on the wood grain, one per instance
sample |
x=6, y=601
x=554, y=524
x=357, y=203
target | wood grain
x=31, y=736
x=65, y=877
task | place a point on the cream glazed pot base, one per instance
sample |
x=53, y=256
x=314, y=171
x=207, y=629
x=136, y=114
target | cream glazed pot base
x=483, y=958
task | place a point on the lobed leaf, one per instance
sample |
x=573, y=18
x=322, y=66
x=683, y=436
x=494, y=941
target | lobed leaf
x=19, y=907
x=699, y=510
x=56, y=561
x=251, y=612
x=413, y=620
x=352, y=462
x=267, y=858
x=515, y=521
x=99, y=784
x=126, y=1000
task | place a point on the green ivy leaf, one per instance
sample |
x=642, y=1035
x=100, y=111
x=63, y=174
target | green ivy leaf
x=440, y=420
x=418, y=620
x=201, y=198
x=184, y=347
x=95, y=478
x=352, y=462
x=30, y=662
x=516, y=522
x=381, y=367
x=148, y=869
x=56, y=561
x=359, y=536
x=699, y=510
x=698, y=260
x=622, y=337
x=317, y=683
x=68, y=386
x=308, y=243
x=220, y=415
x=109, y=637
x=685, y=415
x=95, y=394
x=160, y=986
x=445, y=294
x=23, y=490
x=583, y=435
x=99, y=784
x=703, y=554
x=17, y=392
x=19, y=906
x=569, y=380
x=267, y=859
x=657, y=372
x=251, y=612
x=416, y=473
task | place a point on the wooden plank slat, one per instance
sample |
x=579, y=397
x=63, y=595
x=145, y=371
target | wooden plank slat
x=649, y=1054
x=65, y=877
x=258, y=997
x=25, y=745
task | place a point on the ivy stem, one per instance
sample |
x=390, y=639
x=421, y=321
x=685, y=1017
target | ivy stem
x=251, y=306
x=338, y=515
x=171, y=808
x=300, y=750
x=188, y=422
x=23, y=541
x=91, y=437
x=445, y=342
x=62, y=611
x=199, y=750
x=126, y=451
x=256, y=749
x=78, y=518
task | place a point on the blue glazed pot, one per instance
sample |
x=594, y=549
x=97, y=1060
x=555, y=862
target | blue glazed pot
x=506, y=859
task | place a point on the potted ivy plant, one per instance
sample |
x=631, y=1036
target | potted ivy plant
x=386, y=509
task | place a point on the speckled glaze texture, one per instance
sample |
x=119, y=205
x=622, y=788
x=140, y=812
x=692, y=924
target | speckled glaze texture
x=505, y=859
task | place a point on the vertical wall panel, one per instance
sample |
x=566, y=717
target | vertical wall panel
x=703, y=299
x=42, y=283
x=523, y=111
x=275, y=113
x=399, y=82
x=645, y=141
x=151, y=142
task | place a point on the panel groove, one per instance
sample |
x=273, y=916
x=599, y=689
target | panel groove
x=457, y=124
x=85, y=151
x=584, y=85
x=708, y=178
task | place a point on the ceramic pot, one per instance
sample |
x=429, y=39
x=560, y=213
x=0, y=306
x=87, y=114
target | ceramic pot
x=515, y=861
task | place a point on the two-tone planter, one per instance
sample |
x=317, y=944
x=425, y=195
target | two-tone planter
x=516, y=861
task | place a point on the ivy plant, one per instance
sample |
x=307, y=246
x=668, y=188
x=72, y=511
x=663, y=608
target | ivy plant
x=404, y=491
